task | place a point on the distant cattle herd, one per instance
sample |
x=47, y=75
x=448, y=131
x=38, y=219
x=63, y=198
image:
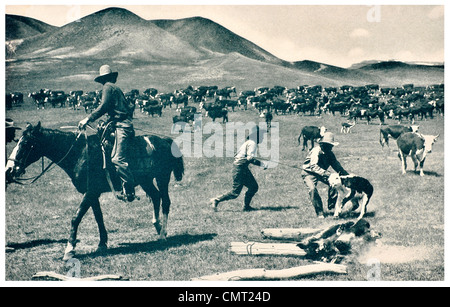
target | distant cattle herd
x=407, y=102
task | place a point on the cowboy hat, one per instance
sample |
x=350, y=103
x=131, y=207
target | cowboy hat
x=256, y=132
x=105, y=73
x=328, y=137
x=10, y=124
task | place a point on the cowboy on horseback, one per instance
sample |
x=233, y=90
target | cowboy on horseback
x=120, y=116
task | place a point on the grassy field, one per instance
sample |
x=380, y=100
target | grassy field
x=408, y=210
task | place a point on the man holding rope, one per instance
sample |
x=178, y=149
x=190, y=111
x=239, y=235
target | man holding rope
x=120, y=116
x=315, y=169
x=241, y=173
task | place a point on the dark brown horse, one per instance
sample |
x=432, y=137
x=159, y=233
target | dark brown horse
x=81, y=157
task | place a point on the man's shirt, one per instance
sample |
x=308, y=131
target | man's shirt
x=114, y=104
x=247, y=153
x=317, y=162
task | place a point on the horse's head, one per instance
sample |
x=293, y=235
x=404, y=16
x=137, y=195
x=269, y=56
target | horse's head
x=25, y=153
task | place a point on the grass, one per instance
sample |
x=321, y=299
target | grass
x=407, y=209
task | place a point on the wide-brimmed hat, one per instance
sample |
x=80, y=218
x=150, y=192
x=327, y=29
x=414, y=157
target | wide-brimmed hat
x=256, y=132
x=328, y=137
x=105, y=72
x=10, y=124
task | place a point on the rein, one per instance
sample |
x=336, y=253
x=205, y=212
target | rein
x=49, y=167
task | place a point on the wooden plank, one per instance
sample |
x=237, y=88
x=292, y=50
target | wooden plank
x=48, y=275
x=257, y=248
x=295, y=234
x=263, y=274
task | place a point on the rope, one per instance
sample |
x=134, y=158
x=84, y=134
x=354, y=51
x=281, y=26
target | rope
x=167, y=136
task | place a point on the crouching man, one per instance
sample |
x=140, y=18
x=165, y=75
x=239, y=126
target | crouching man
x=315, y=169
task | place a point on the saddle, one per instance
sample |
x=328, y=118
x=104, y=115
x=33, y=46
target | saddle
x=140, y=158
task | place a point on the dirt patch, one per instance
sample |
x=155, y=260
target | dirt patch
x=395, y=253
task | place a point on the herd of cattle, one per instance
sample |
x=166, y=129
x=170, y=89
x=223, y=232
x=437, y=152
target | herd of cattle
x=363, y=102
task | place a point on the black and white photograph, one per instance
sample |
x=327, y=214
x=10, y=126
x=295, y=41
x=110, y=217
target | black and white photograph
x=233, y=143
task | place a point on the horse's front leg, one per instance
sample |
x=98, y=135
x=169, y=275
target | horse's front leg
x=76, y=220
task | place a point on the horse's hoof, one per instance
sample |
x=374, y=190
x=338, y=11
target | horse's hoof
x=101, y=249
x=68, y=255
x=69, y=252
x=158, y=227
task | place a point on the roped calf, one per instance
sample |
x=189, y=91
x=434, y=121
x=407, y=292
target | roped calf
x=351, y=188
x=416, y=145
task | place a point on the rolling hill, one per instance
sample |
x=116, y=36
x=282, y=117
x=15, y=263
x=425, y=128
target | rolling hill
x=19, y=27
x=169, y=54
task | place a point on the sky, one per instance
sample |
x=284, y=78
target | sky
x=338, y=35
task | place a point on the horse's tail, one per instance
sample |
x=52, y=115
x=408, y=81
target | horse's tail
x=178, y=168
x=178, y=163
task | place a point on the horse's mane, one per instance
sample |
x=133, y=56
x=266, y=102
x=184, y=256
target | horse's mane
x=55, y=134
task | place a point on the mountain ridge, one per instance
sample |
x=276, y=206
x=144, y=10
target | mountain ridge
x=181, y=46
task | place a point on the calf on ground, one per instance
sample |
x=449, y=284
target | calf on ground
x=416, y=145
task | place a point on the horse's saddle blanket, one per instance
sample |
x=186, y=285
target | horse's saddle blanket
x=140, y=156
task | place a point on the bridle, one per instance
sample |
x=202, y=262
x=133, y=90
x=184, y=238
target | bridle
x=20, y=164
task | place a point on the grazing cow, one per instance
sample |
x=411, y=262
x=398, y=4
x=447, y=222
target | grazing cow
x=166, y=99
x=351, y=188
x=341, y=107
x=151, y=92
x=416, y=145
x=15, y=98
x=56, y=98
x=182, y=121
x=180, y=99
x=39, y=98
x=230, y=103
x=345, y=127
x=73, y=99
x=394, y=131
x=225, y=92
x=280, y=105
x=90, y=101
x=153, y=109
x=188, y=111
x=216, y=112
x=310, y=133
x=268, y=118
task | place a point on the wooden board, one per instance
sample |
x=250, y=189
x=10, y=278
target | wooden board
x=257, y=248
x=263, y=274
x=295, y=234
x=48, y=275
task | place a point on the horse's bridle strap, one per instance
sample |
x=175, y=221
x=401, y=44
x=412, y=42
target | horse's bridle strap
x=44, y=170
